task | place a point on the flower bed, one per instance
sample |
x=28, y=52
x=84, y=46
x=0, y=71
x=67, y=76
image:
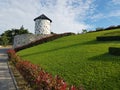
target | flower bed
x=37, y=77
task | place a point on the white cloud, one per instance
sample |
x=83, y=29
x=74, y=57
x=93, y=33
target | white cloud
x=114, y=9
x=115, y=13
x=97, y=17
x=64, y=14
x=15, y=13
x=117, y=2
x=109, y=12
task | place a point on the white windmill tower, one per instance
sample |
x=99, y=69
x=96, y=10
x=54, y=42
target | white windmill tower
x=42, y=25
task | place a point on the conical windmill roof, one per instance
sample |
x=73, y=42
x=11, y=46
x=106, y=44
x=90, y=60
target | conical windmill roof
x=43, y=17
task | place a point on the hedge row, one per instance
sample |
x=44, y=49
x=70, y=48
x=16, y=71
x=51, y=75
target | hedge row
x=109, y=28
x=114, y=51
x=112, y=27
x=106, y=29
x=108, y=38
x=37, y=77
x=43, y=40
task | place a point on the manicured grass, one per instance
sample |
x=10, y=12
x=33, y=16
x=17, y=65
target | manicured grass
x=113, y=33
x=80, y=60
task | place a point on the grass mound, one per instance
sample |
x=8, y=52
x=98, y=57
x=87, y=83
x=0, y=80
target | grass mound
x=110, y=36
x=113, y=33
x=80, y=60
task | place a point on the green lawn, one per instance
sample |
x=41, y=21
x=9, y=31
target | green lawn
x=80, y=60
x=113, y=33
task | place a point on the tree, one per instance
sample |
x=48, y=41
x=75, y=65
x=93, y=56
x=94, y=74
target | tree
x=84, y=31
x=53, y=33
x=4, y=40
x=22, y=30
x=99, y=29
x=11, y=33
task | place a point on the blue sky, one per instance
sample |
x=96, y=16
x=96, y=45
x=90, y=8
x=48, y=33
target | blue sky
x=67, y=15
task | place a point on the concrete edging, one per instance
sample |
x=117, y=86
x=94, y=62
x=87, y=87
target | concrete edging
x=13, y=78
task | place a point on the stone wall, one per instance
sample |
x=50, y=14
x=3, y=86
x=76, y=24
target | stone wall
x=24, y=39
x=42, y=26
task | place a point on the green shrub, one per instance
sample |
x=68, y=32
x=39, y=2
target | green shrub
x=4, y=40
x=114, y=51
x=108, y=38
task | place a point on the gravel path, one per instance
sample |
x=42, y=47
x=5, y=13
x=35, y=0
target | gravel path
x=6, y=81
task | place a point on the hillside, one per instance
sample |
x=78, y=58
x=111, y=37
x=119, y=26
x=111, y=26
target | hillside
x=113, y=33
x=80, y=60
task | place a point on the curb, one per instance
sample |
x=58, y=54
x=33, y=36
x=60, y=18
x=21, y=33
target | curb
x=13, y=78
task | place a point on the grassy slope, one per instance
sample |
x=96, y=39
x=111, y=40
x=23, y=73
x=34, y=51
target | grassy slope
x=113, y=33
x=79, y=59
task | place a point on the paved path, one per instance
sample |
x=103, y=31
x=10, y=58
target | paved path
x=6, y=81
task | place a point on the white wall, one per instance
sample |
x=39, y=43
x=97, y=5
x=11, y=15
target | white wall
x=42, y=26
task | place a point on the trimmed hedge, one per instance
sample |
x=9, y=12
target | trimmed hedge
x=114, y=51
x=112, y=27
x=43, y=40
x=108, y=38
x=106, y=29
